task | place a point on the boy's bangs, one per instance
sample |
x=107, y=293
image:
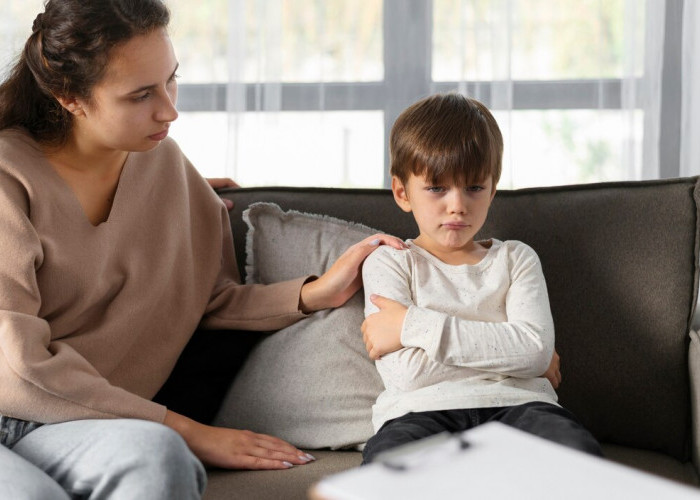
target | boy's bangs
x=465, y=165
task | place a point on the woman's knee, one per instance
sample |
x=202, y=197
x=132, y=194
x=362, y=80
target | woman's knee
x=160, y=451
x=21, y=480
x=123, y=458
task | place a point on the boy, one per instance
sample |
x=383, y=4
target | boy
x=461, y=330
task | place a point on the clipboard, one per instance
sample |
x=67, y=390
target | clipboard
x=497, y=462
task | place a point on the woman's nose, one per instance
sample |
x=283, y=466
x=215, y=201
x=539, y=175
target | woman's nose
x=167, y=112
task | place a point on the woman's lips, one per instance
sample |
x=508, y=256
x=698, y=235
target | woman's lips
x=159, y=136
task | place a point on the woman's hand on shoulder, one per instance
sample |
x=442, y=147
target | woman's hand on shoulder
x=221, y=183
x=344, y=278
x=235, y=449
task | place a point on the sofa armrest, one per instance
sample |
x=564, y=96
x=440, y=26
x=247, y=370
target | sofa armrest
x=694, y=369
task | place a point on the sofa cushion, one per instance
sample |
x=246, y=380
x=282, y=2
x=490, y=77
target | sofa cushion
x=287, y=484
x=312, y=383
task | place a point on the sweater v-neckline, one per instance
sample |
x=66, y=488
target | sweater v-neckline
x=75, y=201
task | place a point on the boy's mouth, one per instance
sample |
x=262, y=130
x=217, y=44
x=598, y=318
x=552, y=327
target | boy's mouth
x=455, y=225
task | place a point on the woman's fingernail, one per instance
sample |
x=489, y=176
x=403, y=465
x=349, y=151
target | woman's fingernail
x=287, y=465
x=310, y=456
x=374, y=243
x=304, y=458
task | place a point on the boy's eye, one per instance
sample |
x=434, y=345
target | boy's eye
x=435, y=189
x=474, y=189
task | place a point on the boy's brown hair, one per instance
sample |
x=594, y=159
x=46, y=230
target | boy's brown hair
x=446, y=137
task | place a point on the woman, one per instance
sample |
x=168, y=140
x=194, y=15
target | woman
x=100, y=292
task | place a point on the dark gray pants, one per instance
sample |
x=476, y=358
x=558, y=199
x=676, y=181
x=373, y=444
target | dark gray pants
x=541, y=419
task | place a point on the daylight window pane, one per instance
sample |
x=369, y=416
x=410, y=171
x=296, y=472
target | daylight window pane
x=15, y=27
x=557, y=147
x=192, y=130
x=199, y=31
x=482, y=40
x=339, y=149
x=313, y=41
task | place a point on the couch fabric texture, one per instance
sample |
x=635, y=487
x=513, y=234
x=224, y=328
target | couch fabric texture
x=620, y=260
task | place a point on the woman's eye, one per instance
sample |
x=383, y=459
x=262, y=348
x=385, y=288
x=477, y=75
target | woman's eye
x=142, y=97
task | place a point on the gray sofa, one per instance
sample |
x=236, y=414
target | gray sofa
x=621, y=263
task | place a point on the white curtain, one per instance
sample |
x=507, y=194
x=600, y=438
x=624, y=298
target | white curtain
x=282, y=56
x=650, y=84
x=690, y=114
x=312, y=148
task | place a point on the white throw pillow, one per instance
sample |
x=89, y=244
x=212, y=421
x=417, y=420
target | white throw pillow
x=311, y=384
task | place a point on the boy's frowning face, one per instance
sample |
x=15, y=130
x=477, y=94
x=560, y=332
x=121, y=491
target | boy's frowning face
x=448, y=215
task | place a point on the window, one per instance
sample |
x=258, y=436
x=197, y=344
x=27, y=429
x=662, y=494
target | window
x=555, y=77
x=304, y=92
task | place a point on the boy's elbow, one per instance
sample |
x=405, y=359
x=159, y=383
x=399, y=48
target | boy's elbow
x=540, y=361
x=404, y=370
x=411, y=383
x=534, y=365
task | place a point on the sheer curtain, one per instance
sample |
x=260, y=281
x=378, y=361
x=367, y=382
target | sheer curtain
x=294, y=116
x=575, y=86
x=690, y=114
x=299, y=116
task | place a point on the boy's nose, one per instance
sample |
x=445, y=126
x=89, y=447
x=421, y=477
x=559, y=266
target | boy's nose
x=457, y=202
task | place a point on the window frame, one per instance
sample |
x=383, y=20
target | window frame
x=407, y=56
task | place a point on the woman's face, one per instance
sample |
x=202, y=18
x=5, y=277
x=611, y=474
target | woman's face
x=133, y=105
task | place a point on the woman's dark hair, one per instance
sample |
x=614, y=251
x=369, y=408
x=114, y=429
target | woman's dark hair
x=65, y=56
x=446, y=137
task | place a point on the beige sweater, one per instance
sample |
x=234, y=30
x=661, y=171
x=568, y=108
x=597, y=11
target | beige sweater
x=93, y=318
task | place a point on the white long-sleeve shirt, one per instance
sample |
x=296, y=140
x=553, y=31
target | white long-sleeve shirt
x=475, y=336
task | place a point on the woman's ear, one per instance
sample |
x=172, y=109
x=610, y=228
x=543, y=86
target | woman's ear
x=400, y=194
x=71, y=104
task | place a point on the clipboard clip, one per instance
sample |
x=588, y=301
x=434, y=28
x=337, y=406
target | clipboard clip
x=433, y=449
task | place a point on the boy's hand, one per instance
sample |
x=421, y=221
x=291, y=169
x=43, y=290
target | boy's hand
x=553, y=374
x=381, y=331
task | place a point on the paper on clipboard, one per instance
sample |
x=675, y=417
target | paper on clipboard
x=499, y=463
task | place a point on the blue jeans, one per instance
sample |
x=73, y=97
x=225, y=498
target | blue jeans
x=546, y=420
x=96, y=459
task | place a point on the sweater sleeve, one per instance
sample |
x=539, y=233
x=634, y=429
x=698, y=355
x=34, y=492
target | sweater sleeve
x=520, y=347
x=386, y=272
x=44, y=379
x=249, y=307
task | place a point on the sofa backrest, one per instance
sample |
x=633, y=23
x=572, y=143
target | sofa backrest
x=620, y=260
